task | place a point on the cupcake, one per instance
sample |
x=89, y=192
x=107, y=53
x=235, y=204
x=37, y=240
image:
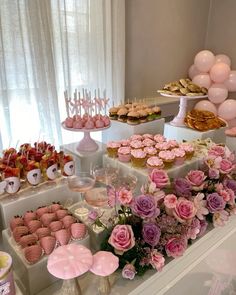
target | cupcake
x=133, y=118
x=150, y=151
x=155, y=162
x=159, y=138
x=138, y=158
x=142, y=116
x=112, y=148
x=180, y=156
x=136, y=137
x=148, y=142
x=189, y=150
x=167, y=157
x=172, y=144
x=124, y=154
x=148, y=135
x=125, y=142
x=122, y=115
x=162, y=146
x=113, y=113
x=136, y=144
x=156, y=112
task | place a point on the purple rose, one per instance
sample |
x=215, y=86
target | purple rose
x=151, y=234
x=215, y=202
x=231, y=184
x=145, y=206
x=182, y=188
x=128, y=272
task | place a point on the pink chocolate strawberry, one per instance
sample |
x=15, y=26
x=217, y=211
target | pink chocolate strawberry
x=62, y=236
x=42, y=232
x=48, y=244
x=27, y=240
x=78, y=230
x=20, y=231
x=33, y=225
x=33, y=253
x=55, y=225
x=16, y=221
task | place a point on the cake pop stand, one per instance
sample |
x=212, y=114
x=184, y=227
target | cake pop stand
x=179, y=119
x=87, y=144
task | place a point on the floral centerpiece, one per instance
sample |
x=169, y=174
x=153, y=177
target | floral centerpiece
x=169, y=214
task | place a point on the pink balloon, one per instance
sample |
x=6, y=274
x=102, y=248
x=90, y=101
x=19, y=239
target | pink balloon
x=219, y=72
x=217, y=93
x=204, y=60
x=232, y=123
x=206, y=105
x=202, y=80
x=223, y=58
x=227, y=110
x=193, y=71
x=230, y=83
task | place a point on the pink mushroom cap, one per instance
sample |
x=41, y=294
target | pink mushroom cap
x=69, y=261
x=104, y=263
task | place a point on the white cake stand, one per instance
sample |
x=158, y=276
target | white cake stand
x=87, y=144
x=179, y=119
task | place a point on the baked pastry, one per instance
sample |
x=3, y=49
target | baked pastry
x=155, y=162
x=167, y=157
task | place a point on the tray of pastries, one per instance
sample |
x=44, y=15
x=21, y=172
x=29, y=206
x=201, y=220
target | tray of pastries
x=202, y=120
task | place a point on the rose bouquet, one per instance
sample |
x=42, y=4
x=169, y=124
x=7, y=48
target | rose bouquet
x=169, y=215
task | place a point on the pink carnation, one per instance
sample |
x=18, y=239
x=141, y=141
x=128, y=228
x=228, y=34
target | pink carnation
x=125, y=196
x=157, y=260
x=170, y=201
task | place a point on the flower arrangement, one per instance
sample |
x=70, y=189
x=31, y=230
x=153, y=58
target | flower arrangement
x=168, y=215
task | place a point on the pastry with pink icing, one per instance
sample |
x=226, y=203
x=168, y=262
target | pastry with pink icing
x=150, y=150
x=124, y=154
x=78, y=230
x=180, y=156
x=138, y=158
x=99, y=123
x=155, y=162
x=136, y=137
x=189, y=150
x=159, y=138
x=69, y=122
x=167, y=157
x=33, y=253
x=148, y=142
x=136, y=144
x=112, y=148
x=148, y=135
x=48, y=244
x=172, y=144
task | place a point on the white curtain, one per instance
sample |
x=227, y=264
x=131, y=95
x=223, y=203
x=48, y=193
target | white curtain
x=47, y=47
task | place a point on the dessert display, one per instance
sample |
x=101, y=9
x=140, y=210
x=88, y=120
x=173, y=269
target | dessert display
x=134, y=113
x=39, y=232
x=32, y=164
x=183, y=87
x=86, y=113
x=151, y=151
x=203, y=120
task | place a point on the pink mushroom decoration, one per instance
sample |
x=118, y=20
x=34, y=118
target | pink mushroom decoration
x=67, y=263
x=104, y=264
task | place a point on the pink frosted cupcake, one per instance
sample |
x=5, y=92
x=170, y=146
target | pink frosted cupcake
x=138, y=158
x=148, y=142
x=155, y=162
x=125, y=142
x=180, y=156
x=167, y=157
x=162, y=146
x=136, y=144
x=112, y=148
x=147, y=135
x=124, y=154
x=189, y=150
x=159, y=138
x=136, y=137
x=151, y=151
x=172, y=144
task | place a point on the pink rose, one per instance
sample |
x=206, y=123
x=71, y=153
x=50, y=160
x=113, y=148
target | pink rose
x=170, y=201
x=122, y=238
x=159, y=177
x=196, y=178
x=217, y=151
x=176, y=246
x=184, y=210
x=125, y=196
x=157, y=260
x=128, y=271
x=226, y=166
x=213, y=173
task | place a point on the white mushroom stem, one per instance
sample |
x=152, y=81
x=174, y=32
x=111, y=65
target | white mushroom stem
x=104, y=286
x=70, y=287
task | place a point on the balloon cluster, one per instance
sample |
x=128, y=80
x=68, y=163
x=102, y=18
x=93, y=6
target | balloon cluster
x=214, y=73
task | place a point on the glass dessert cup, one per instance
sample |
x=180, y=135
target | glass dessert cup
x=104, y=175
x=127, y=181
